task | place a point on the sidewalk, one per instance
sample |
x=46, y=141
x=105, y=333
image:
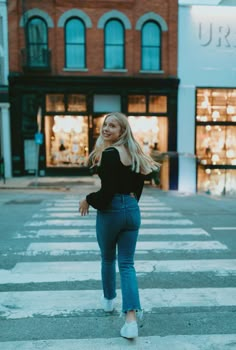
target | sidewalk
x=71, y=182
x=31, y=182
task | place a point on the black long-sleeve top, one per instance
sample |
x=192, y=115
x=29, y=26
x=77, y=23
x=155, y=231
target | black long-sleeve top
x=115, y=178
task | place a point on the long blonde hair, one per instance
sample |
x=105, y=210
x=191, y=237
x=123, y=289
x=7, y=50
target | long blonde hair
x=141, y=163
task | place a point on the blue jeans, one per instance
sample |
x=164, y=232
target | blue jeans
x=118, y=226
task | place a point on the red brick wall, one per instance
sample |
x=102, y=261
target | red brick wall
x=133, y=9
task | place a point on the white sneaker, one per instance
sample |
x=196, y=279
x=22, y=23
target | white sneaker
x=108, y=305
x=129, y=330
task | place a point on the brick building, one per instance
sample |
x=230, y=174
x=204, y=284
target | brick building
x=73, y=62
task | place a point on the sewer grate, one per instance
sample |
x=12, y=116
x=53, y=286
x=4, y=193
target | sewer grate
x=24, y=201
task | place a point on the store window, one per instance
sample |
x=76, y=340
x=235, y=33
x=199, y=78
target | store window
x=66, y=130
x=216, y=140
x=216, y=144
x=157, y=104
x=62, y=103
x=216, y=105
x=217, y=181
x=137, y=104
x=150, y=132
x=66, y=141
x=149, y=104
x=76, y=103
x=55, y=103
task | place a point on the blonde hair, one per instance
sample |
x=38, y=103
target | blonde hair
x=141, y=163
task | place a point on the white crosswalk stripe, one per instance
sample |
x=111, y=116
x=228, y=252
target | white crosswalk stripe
x=75, y=215
x=182, y=231
x=64, y=237
x=74, y=209
x=66, y=247
x=91, y=222
x=29, y=304
x=90, y=270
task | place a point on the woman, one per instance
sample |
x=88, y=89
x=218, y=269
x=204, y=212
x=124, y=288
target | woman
x=122, y=167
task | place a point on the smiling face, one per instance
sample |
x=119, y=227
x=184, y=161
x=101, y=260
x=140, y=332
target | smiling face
x=111, y=130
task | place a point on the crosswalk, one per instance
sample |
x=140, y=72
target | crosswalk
x=58, y=276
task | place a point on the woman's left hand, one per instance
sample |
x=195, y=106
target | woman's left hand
x=83, y=207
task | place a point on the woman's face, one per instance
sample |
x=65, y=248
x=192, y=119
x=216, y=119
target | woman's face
x=111, y=130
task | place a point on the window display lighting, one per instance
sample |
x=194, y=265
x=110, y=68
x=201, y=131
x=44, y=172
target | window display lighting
x=216, y=141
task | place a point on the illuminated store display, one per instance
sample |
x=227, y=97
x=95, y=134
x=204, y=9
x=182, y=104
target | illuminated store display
x=151, y=133
x=216, y=140
x=66, y=141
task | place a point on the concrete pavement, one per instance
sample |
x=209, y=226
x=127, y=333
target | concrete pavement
x=47, y=182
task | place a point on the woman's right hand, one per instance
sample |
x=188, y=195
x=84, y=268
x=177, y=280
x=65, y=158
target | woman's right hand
x=83, y=207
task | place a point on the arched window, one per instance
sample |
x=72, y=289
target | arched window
x=37, y=42
x=75, y=49
x=151, y=46
x=114, y=40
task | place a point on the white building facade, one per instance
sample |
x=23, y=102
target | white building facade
x=5, y=142
x=207, y=97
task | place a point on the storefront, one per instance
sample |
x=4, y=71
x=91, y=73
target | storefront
x=207, y=99
x=70, y=119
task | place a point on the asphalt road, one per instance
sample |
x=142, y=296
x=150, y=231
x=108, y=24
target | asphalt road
x=50, y=283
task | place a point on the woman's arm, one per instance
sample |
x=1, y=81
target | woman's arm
x=108, y=174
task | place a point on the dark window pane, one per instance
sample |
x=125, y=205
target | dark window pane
x=37, y=42
x=136, y=103
x=157, y=104
x=150, y=59
x=55, y=102
x=114, y=45
x=151, y=46
x=76, y=103
x=75, y=44
x=114, y=57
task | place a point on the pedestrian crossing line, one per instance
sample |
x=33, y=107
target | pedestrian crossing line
x=16, y=305
x=91, y=233
x=80, y=222
x=76, y=200
x=77, y=215
x=149, y=207
x=224, y=228
x=69, y=271
x=153, y=208
x=175, y=342
x=93, y=211
x=65, y=248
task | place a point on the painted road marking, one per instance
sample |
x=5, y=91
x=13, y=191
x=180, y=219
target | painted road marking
x=175, y=342
x=77, y=215
x=89, y=222
x=77, y=199
x=15, y=305
x=182, y=231
x=224, y=228
x=61, y=248
x=63, y=271
x=93, y=211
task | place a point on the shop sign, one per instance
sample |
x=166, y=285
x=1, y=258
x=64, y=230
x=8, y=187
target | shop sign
x=216, y=34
